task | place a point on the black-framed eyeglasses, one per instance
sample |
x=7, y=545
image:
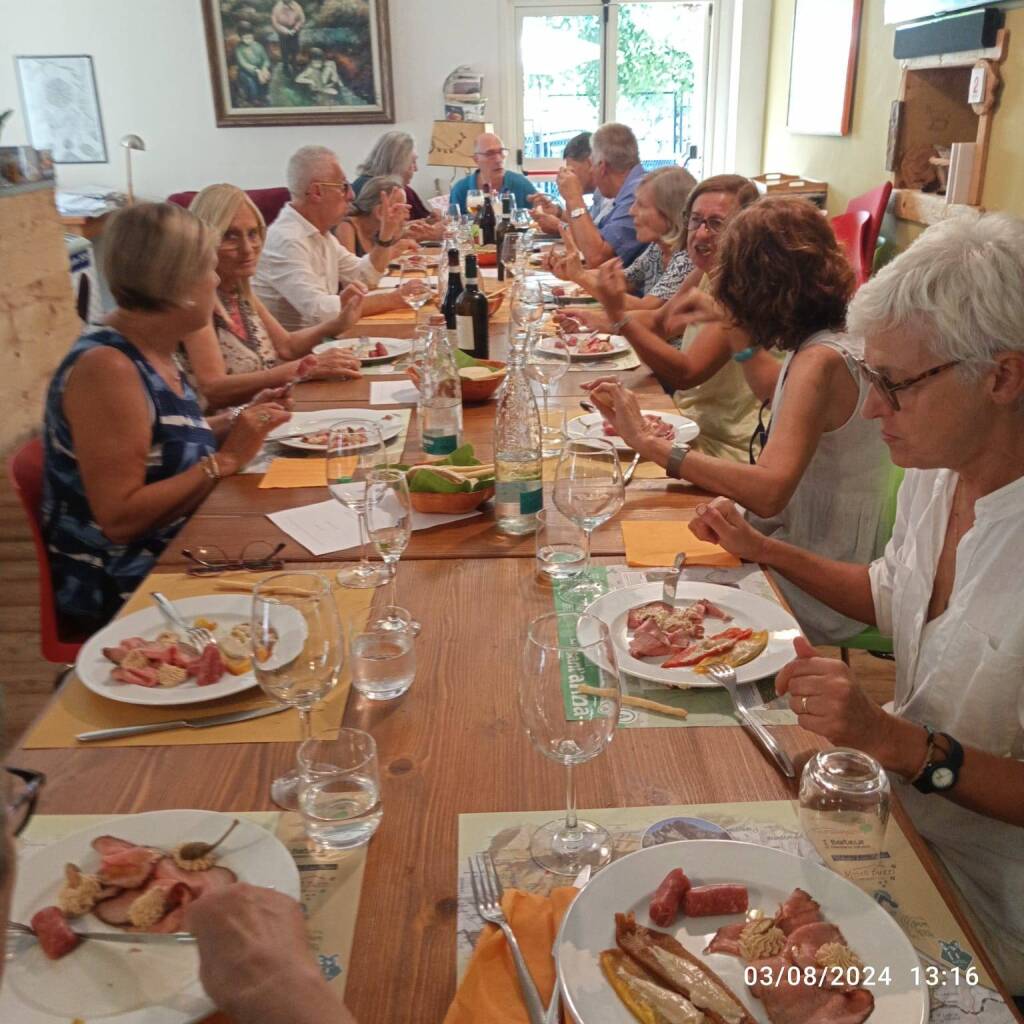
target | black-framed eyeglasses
x=760, y=436
x=889, y=389
x=713, y=224
x=258, y=556
x=23, y=786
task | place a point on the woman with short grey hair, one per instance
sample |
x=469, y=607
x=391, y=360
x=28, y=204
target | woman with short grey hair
x=394, y=156
x=356, y=230
x=944, y=352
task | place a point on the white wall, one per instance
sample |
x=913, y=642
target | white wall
x=152, y=75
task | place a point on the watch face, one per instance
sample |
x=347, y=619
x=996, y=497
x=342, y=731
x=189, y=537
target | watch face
x=943, y=778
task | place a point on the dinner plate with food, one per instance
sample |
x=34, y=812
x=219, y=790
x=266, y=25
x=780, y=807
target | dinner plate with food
x=670, y=426
x=586, y=346
x=370, y=351
x=141, y=659
x=733, y=933
x=675, y=644
x=133, y=875
x=309, y=431
x=571, y=294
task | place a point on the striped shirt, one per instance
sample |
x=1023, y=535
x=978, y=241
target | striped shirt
x=92, y=576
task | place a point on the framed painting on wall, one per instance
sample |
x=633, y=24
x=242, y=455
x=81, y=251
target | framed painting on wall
x=286, y=62
x=823, y=66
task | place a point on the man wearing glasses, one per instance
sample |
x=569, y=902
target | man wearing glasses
x=303, y=267
x=489, y=155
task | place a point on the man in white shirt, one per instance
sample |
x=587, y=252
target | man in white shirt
x=303, y=267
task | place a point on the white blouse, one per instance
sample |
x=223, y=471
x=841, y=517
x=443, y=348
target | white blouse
x=963, y=674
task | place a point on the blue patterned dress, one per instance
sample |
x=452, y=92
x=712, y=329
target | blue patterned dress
x=92, y=576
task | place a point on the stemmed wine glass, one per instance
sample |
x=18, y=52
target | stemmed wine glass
x=527, y=302
x=389, y=518
x=510, y=254
x=546, y=364
x=298, y=650
x=414, y=288
x=589, y=491
x=557, y=645
x=474, y=200
x=354, y=448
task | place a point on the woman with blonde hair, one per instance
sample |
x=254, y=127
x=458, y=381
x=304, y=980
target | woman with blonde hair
x=242, y=348
x=128, y=455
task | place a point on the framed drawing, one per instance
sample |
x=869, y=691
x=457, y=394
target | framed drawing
x=62, y=108
x=280, y=62
x=823, y=66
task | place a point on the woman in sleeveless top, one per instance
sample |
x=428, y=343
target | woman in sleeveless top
x=243, y=349
x=360, y=228
x=819, y=480
x=128, y=454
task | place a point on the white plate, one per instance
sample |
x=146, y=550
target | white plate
x=127, y=984
x=619, y=348
x=770, y=876
x=94, y=670
x=747, y=611
x=396, y=347
x=318, y=420
x=592, y=425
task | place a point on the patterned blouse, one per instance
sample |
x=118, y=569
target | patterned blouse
x=92, y=576
x=648, y=276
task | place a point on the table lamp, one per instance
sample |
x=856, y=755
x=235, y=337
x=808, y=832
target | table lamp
x=131, y=142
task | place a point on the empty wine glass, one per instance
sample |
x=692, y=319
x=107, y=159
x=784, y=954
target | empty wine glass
x=354, y=448
x=389, y=519
x=527, y=305
x=415, y=290
x=510, y=254
x=589, y=491
x=546, y=364
x=452, y=218
x=557, y=647
x=298, y=650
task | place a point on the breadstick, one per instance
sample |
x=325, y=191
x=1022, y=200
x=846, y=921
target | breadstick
x=243, y=585
x=635, y=702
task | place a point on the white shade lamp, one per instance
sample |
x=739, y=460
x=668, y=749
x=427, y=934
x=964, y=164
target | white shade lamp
x=131, y=142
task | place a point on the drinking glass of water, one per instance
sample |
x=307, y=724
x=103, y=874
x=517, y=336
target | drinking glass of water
x=547, y=364
x=383, y=661
x=389, y=519
x=559, y=546
x=340, y=800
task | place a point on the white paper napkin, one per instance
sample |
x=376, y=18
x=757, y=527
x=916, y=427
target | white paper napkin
x=393, y=392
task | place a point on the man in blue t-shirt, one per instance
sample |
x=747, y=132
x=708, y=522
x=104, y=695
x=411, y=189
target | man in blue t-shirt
x=489, y=154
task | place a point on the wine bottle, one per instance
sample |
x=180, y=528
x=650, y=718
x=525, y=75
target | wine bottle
x=486, y=219
x=471, y=316
x=452, y=292
x=504, y=227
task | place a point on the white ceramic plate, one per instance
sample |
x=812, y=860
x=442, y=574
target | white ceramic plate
x=619, y=348
x=127, y=984
x=396, y=347
x=592, y=425
x=747, y=611
x=318, y=420
x=770, y=876
x=94, y=670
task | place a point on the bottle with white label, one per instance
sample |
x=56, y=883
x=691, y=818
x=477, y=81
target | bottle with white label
x=440, y=402
x=471, y=316
x=518, y=463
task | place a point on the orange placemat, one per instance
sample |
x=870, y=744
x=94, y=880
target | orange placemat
x=77, y=709
x=654, y=543
x=302, y=472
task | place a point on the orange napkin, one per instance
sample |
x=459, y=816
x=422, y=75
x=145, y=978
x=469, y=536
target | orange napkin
x=489, y=993
x=651, y=543
x=302, y=472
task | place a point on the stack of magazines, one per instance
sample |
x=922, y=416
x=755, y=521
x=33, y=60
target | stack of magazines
x=463, y=95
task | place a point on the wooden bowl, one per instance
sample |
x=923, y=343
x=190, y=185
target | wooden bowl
x=450, y=504
x=481, y=390
x=494, y=303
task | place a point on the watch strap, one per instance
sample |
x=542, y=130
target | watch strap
x=676, y=454
x=951, y=762
x=578, y=212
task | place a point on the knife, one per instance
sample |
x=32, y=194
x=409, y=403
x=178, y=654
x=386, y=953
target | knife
x=181, y=723
x=671, y=580
x=554, y=1010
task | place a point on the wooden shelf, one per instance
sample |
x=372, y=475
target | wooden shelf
x=925, y=207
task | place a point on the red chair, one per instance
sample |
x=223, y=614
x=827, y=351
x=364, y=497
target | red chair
x=268, y=200
x=25, y=471
x=850, y=229
x=875, y=203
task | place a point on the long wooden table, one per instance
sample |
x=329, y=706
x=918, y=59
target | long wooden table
x=452, y=744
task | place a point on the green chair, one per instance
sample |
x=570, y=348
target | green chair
x=870, y=639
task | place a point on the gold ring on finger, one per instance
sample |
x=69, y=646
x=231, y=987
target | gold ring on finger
x=803, y=705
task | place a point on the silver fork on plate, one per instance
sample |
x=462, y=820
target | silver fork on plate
x=744, y=699
x=197, y=637
x=487, y=892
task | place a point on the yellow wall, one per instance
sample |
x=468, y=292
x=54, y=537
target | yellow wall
x=854, y=163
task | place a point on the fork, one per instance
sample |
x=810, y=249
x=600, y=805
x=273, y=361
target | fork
x=197, y=636
x=487, y=892
x=744, y=702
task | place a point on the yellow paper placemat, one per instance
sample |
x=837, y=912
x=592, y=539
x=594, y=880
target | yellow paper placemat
x=77, y=709
x=653, y=543
x=302, y=472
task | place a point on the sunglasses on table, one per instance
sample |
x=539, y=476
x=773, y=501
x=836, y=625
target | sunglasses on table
x=23, y=786
x=889, y=389
x=259, y=556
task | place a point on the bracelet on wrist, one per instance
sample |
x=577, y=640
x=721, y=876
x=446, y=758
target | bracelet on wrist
x=210, y=467
x=234, y=412
x=383, y=243
x=745, y=354
x=616, y=328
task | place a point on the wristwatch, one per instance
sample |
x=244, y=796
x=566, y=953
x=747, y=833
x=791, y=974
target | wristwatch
x=383, y=243
x=940, y=774
x=578, y=212
x=676, y=454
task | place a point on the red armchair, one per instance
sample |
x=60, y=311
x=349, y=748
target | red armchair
x=268, y=200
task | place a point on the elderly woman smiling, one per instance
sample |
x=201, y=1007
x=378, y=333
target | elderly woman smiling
x=944, y=332
x=243, y=348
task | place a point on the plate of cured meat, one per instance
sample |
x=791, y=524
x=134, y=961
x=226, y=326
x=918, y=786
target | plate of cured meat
x=676, y=644
x=732, y=933
x=370, y=351
x=586, y=346
x=662, y=424
x=310, y=430
x=103, y=879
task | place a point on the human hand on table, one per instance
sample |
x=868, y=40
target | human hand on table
x=620, y=408
x=572, y=318
x=334, y=363
x=720, y=522
x=274, y=396
x=247, y=435
x=546, y=220
x=424, y=231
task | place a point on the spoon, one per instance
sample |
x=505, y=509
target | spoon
x=198, y=850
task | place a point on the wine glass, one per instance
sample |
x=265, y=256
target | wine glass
x=298, y=648
x=589, y=491
x=558, y=646
x=510, y=253
x=354, y=448
x=389, y=519
x=415, y=290
x=474, y=200
x=546, y=364
x=527, y=305
x=452, y=218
